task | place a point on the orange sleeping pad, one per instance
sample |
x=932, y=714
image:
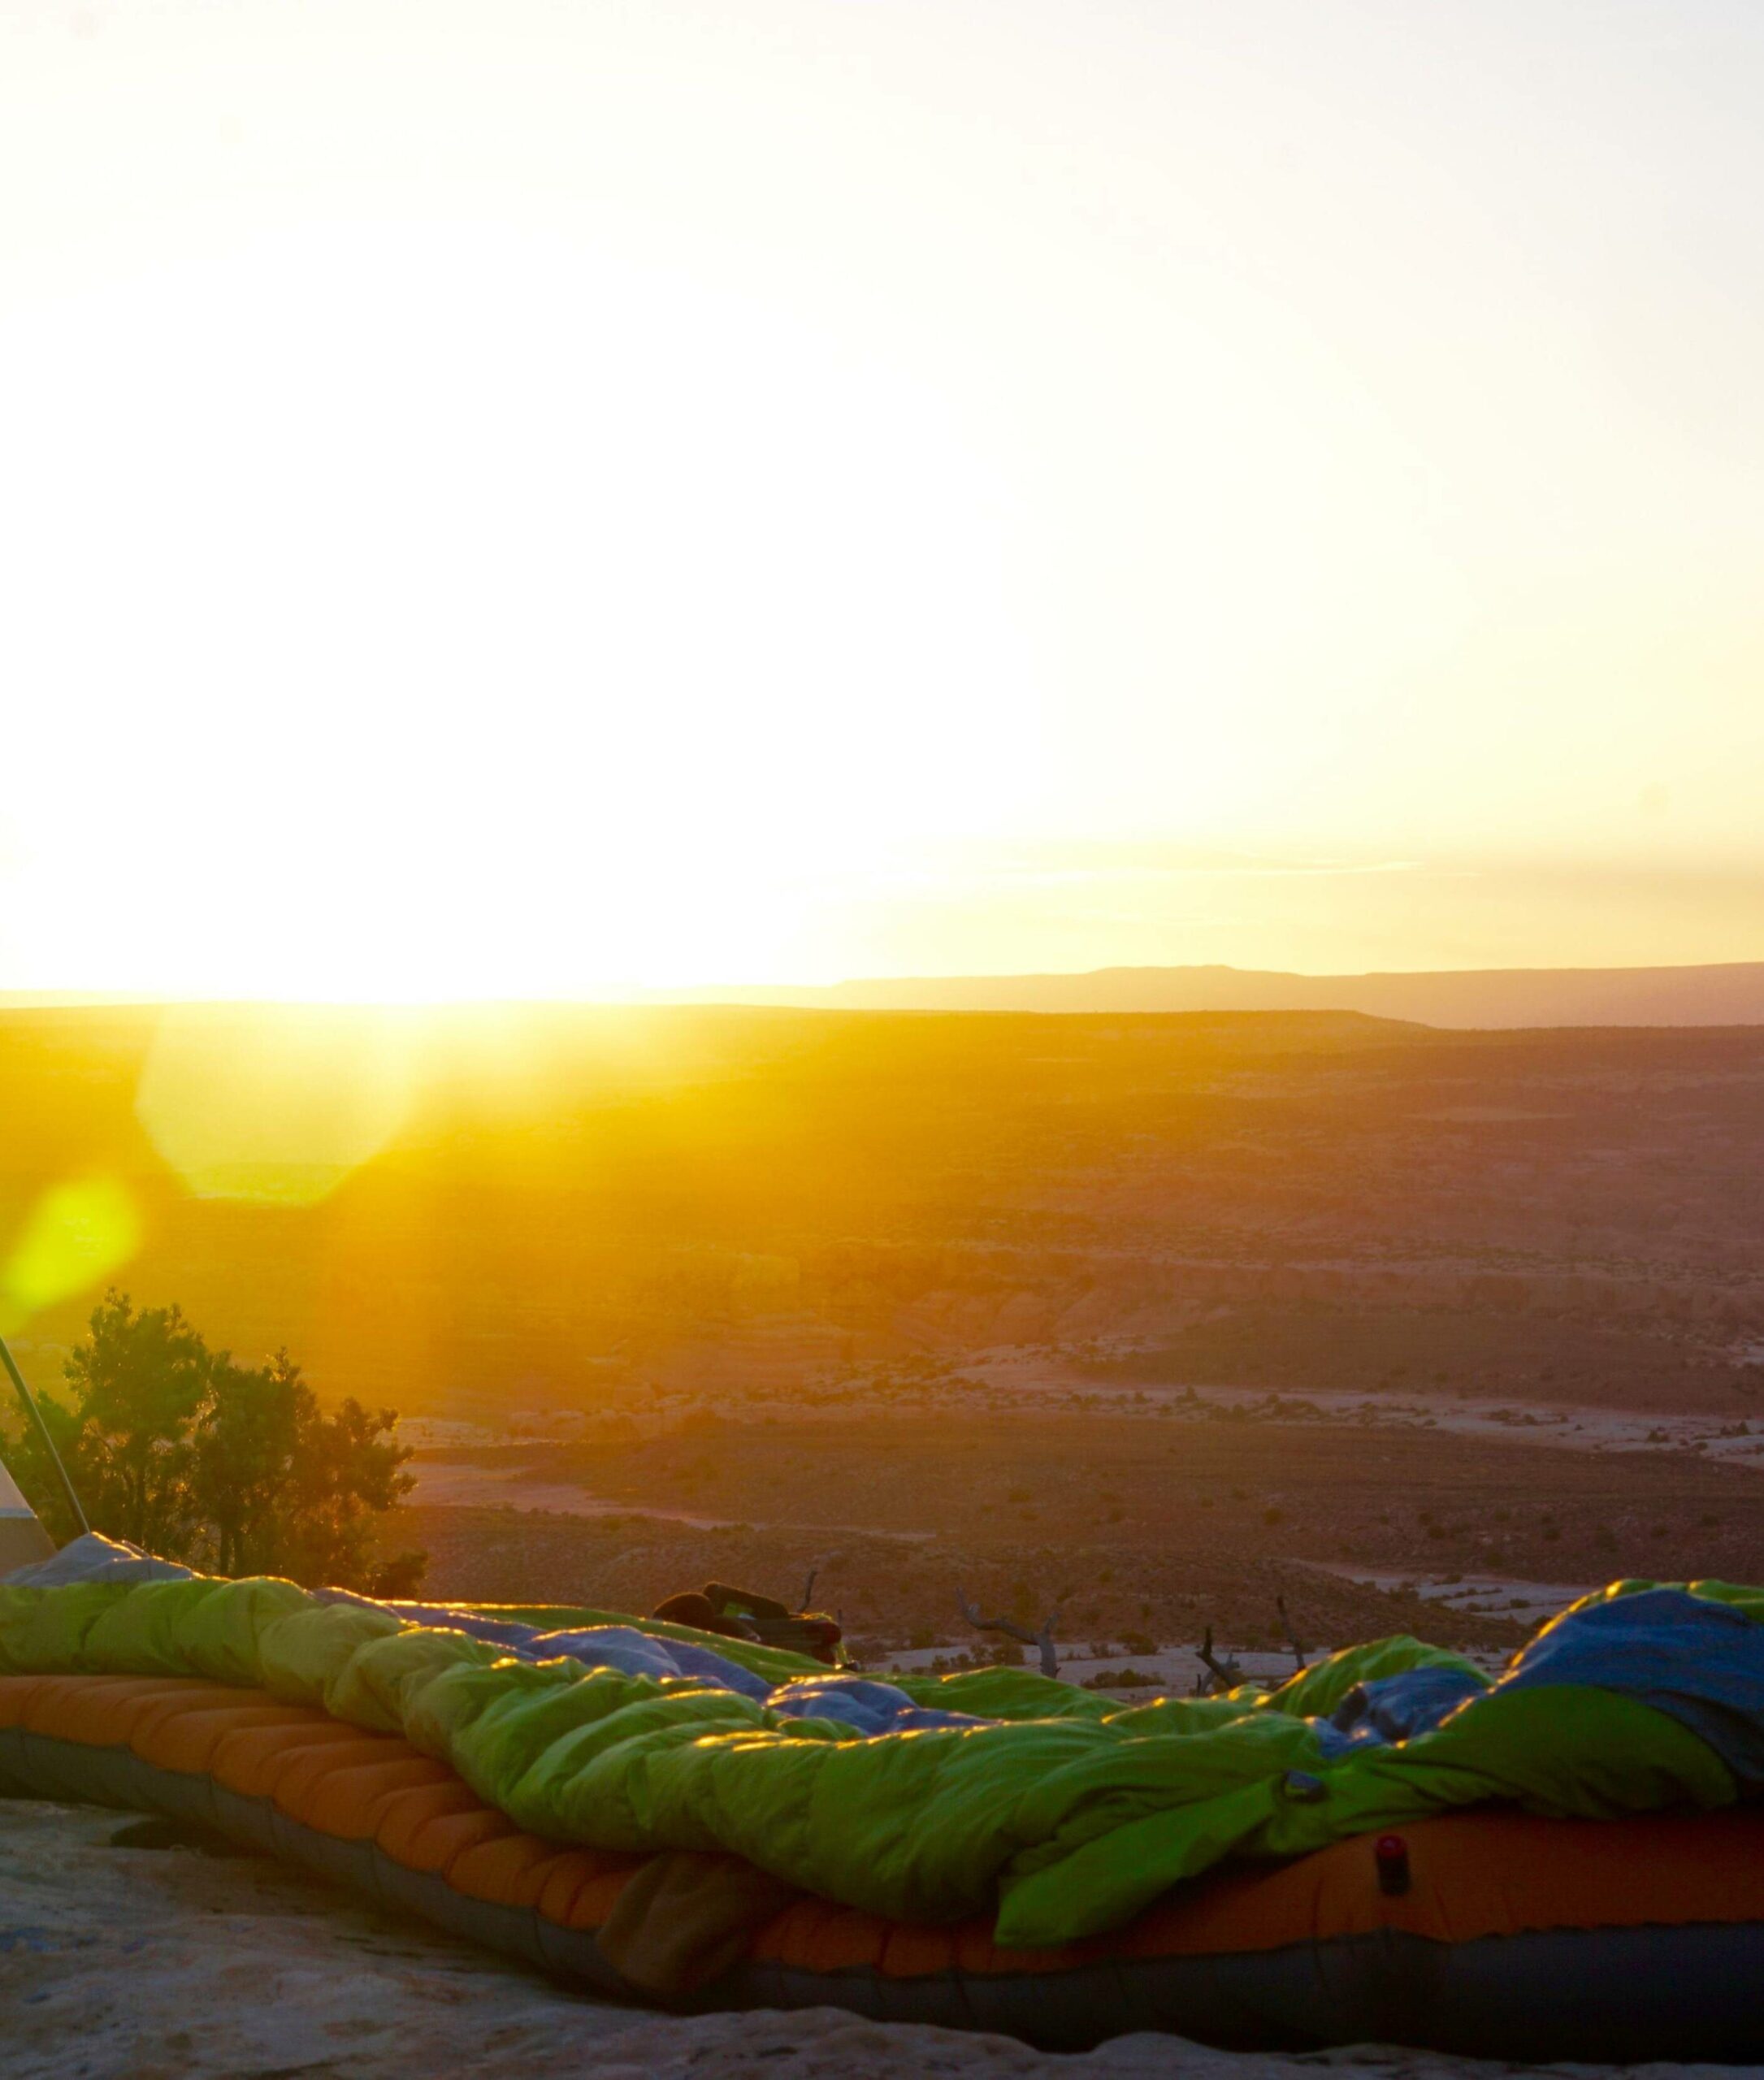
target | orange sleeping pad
x=1489, y=1932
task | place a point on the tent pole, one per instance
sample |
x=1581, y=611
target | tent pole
x=36, y=1414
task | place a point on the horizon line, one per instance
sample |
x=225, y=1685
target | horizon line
x=65, y=998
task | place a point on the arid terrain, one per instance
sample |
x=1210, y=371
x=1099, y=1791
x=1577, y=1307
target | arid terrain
x=1139, y=1525
x=1147, y=1320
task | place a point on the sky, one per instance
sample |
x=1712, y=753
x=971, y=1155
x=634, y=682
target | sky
x=523, y=499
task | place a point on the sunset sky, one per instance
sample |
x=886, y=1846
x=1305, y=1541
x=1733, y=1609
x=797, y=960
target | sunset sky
x=531, y=499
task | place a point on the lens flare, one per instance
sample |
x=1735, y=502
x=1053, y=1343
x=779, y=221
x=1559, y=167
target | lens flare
x=77, y=1233
x=272, y=1103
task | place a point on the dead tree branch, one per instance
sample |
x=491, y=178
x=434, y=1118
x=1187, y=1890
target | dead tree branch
x=815, y=1567
x=1224, y=1675
x=1291, y=1637
x=1044, y=1639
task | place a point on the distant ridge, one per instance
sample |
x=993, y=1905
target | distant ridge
x=1730, y=994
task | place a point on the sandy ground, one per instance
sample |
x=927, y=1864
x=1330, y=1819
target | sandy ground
x=1569, y=1425
x=1484, y=1595
x=1016, y=1385
x=121, y=1962
x=1178, y=1669
x=441, y=1485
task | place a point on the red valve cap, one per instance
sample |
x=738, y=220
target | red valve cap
x=1391, y=1854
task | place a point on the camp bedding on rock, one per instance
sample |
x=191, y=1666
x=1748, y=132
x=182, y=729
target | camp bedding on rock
x=1068, y=1812
x=1517, y=1937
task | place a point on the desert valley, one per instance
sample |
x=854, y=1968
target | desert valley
x=1149, y=1323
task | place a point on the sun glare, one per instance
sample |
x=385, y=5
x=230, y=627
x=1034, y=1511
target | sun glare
x=582, y=500
x=525, y=625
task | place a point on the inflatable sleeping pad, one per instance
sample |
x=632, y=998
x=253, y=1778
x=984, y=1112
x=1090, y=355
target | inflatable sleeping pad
x=1557, y=1864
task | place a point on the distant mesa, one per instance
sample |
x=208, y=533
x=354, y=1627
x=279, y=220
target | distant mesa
x=1730, y=994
